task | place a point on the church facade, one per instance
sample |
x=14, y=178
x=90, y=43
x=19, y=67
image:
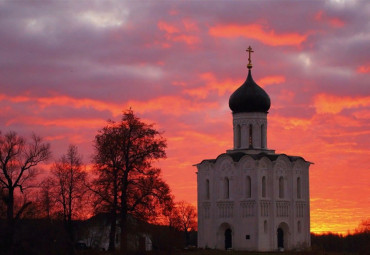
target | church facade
x=251, y=198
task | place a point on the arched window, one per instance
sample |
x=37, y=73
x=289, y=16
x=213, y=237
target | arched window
x=281, y=187
x=207, y=189
x=226, y=188
x=248, y=187
x=262, y=136
x=298, y=187
x=299, y=227
x=265, y=226
x=250, y=136
x=238, y=136
x=263, y=186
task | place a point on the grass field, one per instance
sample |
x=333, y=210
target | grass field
x=221, y=252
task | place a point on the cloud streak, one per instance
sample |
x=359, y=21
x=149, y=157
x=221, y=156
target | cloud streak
x=256, y=31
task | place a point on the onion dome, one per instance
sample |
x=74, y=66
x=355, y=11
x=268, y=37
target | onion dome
x=249, y=97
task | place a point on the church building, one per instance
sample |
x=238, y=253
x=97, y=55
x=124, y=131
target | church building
x=251, y=198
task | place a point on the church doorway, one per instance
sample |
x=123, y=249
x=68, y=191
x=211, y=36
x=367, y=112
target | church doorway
x=228, y=239
x=282, y=236
x=225, y=234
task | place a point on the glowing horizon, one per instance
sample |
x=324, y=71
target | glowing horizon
x=66, y=68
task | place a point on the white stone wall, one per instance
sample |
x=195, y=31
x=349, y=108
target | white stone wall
x=247, y=215
x=241, y=126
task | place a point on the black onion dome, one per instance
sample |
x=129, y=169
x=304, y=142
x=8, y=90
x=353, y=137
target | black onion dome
x=249, y=97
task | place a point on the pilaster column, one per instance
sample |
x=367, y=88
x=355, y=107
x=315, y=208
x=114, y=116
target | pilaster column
x=244, y=136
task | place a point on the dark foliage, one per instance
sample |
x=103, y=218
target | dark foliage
x=352, y=243
x=18, y=161
x=126, y=182
x=38, y=237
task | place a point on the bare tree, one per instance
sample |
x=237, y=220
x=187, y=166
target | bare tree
x=184, y=218
x=18, y=159
x=364, y=226
x=45, y=199
x=127, y=183
x=3, y=198
x=68, y=180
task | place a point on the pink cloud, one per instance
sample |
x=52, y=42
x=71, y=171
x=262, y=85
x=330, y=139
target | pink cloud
x=269, y=80
x=333, y=21
x=172, y=105
x=258, y=32
x=325, y=103
x=212, y=84
x=363, y=69
x=180, y=33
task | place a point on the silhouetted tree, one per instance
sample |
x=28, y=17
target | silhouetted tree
x=3, y=198
x=45, y=199
x=184, y=218
x=358, y=242
x=68, y=179
x=18, y=159
x=171, y=219
x=126, y=182
x=364, y=226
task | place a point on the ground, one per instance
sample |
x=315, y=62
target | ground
x=221, y=252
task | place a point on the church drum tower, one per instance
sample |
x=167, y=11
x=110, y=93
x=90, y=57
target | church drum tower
x=251, y=198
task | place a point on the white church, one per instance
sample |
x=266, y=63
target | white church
x=251, y=198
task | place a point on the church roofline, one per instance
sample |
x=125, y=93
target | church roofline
x=237, y=156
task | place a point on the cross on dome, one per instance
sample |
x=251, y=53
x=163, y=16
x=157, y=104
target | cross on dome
x=249, y=50
x=249, y=97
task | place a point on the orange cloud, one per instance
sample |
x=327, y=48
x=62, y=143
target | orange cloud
x=116, y=109
x=70, y=123
x=212, y=84
x=179, y=34
x=291, y=122
x=16, y=99
x=334, y=104
x=286, y=95
x=227, y=85
x=167, y=27
x=257, y=32
x=363, y=69
x=188, y=39
x=364, y=114
x=336, y=22
x=43, y=102
x=269, y=80
x=328, y=214
x=172, y=105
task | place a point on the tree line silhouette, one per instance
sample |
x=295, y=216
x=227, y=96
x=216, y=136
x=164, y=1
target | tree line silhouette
x=357, y=242
x=122, y=184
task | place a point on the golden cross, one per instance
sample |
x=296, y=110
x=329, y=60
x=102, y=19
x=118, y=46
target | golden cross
x=249, y=58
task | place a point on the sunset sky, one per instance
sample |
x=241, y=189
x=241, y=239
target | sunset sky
x=66, y=67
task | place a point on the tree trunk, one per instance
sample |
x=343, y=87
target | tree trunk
x=124, y=232
x=10, y=220
x=69, y=228
x=112, y=232
x=113, y=223
x=187, y=237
